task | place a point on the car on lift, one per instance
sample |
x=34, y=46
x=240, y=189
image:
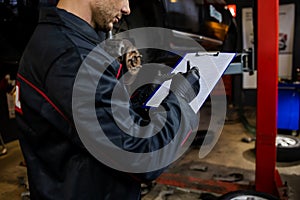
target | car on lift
x=209, y=22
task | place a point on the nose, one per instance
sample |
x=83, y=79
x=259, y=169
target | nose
x=126, y=9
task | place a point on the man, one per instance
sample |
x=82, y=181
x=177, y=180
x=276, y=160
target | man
x=59, y=165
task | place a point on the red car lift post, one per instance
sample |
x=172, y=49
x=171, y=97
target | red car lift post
x=267, y=177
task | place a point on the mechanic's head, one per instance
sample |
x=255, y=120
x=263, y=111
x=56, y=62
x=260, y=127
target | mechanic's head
x=98, y=13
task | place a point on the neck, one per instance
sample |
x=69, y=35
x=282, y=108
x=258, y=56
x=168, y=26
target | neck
x=80, y=8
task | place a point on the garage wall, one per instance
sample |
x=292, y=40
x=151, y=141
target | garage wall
x=248, y=96
x=248, y=3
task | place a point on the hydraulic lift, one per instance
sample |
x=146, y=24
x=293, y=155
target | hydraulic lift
x=267, y=178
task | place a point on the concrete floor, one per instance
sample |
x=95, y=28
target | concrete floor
x=12, y=173
x=229, y=155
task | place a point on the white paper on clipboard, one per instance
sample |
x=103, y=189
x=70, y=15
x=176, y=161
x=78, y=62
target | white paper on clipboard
x=211, y=67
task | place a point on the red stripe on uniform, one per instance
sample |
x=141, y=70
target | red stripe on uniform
x=119, y=71
x=44, y=96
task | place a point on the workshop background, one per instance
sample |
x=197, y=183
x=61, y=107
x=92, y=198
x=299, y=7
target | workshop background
x=234, y=167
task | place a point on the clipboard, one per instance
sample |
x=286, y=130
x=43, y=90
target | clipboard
x=211, y=67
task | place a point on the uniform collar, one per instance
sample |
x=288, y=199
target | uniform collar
x=64, y=18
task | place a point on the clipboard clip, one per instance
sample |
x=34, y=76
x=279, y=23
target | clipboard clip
x=215, y=53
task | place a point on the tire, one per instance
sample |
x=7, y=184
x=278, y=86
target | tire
x=288, y=148
x=246, y=195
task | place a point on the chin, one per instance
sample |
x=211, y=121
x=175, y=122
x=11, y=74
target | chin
x=110, y=26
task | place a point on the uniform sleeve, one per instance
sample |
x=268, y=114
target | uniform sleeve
x=108, y=125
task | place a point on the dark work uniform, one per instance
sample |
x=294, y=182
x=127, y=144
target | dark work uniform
x=59, y=166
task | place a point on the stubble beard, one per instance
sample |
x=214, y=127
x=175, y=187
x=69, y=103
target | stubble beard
x=102, y=17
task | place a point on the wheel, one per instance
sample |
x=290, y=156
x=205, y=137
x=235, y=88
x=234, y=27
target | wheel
x=288, y=148
x=247, y=195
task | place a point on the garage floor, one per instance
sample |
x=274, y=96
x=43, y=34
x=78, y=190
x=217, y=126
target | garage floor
x=188, y=178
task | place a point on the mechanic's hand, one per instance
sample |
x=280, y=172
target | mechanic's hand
x=186, y=85
x=154, y=75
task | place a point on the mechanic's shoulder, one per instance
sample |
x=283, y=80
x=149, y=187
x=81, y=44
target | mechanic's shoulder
x=66, y=30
